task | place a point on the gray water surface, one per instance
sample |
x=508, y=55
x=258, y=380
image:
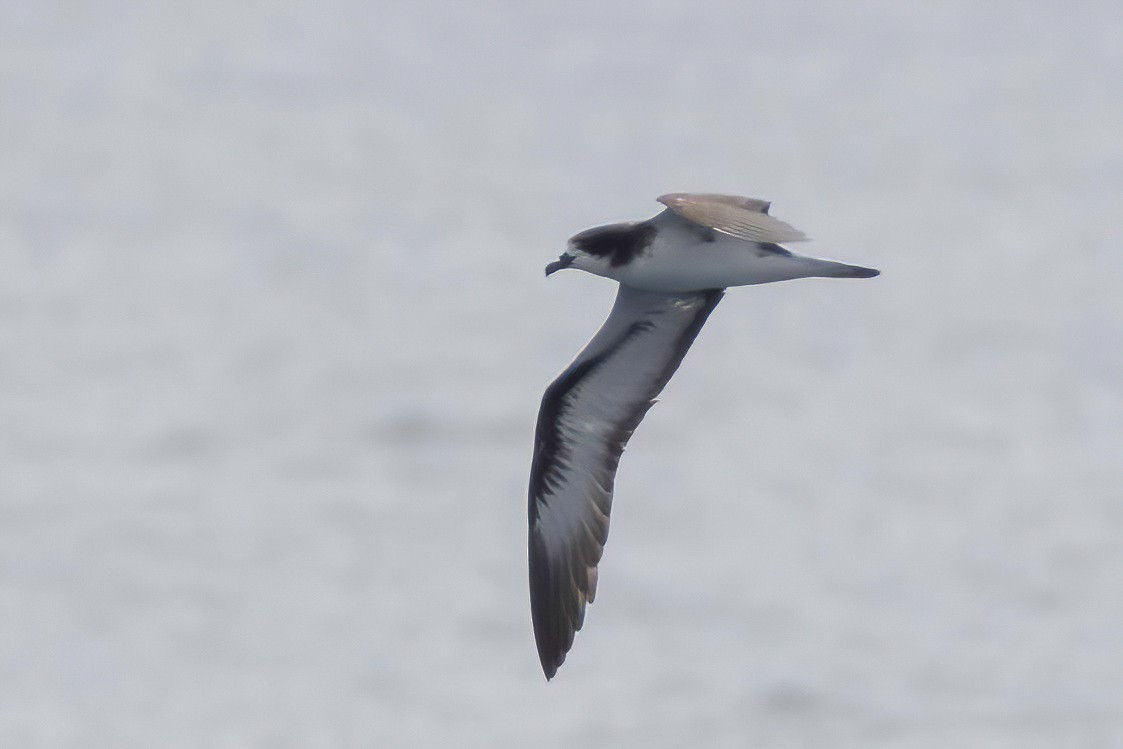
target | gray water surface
x=273, y=332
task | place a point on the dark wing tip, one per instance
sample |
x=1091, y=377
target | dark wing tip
x=858, y=271
x=557, y=607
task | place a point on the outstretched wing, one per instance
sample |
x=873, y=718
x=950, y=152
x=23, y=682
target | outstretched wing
x=586, y=418
x=744, y=218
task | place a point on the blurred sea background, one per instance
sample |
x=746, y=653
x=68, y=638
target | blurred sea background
x=273, y=333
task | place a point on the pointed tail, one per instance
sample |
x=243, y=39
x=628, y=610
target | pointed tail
x=832, y=269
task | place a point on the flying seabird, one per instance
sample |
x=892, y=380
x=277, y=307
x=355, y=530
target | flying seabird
x=673, y=270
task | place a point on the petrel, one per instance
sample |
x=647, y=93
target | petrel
x=673, y=270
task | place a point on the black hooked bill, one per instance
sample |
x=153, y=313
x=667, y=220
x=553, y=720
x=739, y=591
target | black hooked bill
x=564, y=261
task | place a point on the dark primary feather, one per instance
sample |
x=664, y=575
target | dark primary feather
x=587, y=416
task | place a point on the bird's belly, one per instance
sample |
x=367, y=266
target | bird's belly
x=714, y=266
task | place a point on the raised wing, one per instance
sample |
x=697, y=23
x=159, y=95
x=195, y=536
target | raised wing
x=744, y=218
x=586, y=418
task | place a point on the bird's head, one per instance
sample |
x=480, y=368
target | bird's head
x=604, y=249
x=580, y=255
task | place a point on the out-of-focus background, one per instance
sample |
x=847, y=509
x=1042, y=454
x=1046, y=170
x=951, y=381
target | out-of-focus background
x=273, y=332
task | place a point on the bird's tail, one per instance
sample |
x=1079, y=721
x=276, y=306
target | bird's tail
x=831, y=269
